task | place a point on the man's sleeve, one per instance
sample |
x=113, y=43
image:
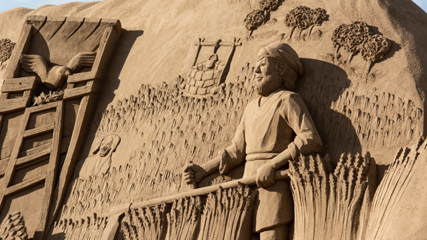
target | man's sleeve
x=307, y=139
x=234, y=155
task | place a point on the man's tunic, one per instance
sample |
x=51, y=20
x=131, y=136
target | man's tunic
x=281, y=123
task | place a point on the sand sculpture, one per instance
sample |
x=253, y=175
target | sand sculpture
x=100, y=162
x=158, y=124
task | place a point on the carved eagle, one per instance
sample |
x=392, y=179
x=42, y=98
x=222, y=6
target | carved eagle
x=54, y=77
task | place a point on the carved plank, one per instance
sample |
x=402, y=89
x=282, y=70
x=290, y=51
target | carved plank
x=39, y=130
x=70, y=159
x=79, y=91
x=31, y=158
x=31, y=153
x=280, y=175
x=25, y=185
x=36, y=21
x=13, y=157
x=18, y=84
x=89, y=26
x=106, y=48
x=52, y=167
x=43, y=107
x=71, y=25
x=11, y=105
x=81, y=77
x=13, y=67
x=51, y=27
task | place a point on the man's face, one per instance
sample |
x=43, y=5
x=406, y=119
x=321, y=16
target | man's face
x=105, y=148
x=267, y=79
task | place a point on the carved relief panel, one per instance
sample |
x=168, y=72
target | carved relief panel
x=52, y=80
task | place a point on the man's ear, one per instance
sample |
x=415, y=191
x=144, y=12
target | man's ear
x=281, y=67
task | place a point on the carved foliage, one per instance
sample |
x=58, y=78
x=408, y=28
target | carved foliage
x=13, y=228
x=304, y=17
x=259, y=16
x=269, y=5
x=254, y=19
x=358, y=37
x=144, y=223
x=6, y=48
x=331, y=204
x=392, y=187
x=90, y=227
x=382, y=119
x=227, y=214
x=184, y=218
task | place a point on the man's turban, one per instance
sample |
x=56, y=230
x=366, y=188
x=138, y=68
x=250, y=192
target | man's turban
x=285, y=53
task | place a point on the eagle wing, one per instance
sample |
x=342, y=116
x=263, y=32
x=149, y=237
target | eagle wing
x=84, y=59
x=34, y=64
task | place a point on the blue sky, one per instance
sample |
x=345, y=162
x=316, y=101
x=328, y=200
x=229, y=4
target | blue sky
x=422, y=4
x=8, y=4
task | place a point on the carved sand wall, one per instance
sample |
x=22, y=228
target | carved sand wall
x=162, y=130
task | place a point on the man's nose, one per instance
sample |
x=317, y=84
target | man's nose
x=257, y=68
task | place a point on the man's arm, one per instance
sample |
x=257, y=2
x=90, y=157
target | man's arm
x=227, y=159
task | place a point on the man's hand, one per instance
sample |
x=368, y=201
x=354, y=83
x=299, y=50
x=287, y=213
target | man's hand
x=193, y=173
x=265, y=176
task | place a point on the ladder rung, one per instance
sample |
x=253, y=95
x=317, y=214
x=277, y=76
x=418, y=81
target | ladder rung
x=43, y=107
x=64, y=147
x=39, y=130
x=15, y=104
x=31, y=158
x=25, y=185
x=18, y=84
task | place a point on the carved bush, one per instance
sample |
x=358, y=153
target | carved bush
x=350, y=36
x=304, y=17
x=375, y=47
x=269, y=5
x=6, y=48
x=358, y=37
x=299, y=17
x=254, y=19
x=318, y=16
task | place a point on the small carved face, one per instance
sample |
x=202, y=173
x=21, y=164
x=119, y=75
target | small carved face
x=105, y=147
x=267, y=77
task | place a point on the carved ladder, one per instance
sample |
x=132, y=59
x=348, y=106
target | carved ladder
x=16, y=162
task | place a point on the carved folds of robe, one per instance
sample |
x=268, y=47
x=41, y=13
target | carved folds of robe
x=281, y=123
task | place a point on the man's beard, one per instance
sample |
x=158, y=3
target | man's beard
x=267, y=85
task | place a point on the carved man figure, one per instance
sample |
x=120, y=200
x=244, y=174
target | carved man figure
x=274, y=128
x=100, y=162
